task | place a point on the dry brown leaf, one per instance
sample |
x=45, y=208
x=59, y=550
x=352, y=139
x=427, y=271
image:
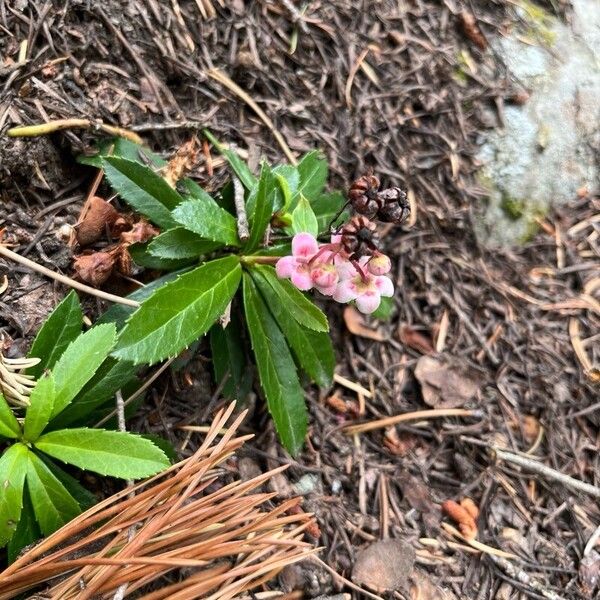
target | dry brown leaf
x=356, y=325
x=95, y=268
x=184, y=160
x=140, y=232
x=96, y=216
x=446, y=383
x=384, y=566
x=471, y=29
x=414, y=339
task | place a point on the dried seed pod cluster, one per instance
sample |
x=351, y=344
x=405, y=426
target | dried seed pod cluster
x=359, y=237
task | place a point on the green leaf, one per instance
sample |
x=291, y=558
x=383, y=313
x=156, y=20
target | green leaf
x=9, y=426
x=52, y=504
x=208, y=220
x=113, y=453
x=296, y=304
x=262, y=210
x=313, y=175
x=313, y=350
x=58, y=331
x=79, y=362
x=123, y=148
x=288, y=179
x=385, y=310
x=304, y=219
x=143, y=189
x=164, y=445
x=277, y=371
x=13, y=467
x=230, y=359
x=40, y=408
x=83, y=497
x=179, y=312
x=326, y=207
x=238, y=166
x=111, y=376
x=119, y=313
x=180, y=243
x=142, y=257
x=27, y=530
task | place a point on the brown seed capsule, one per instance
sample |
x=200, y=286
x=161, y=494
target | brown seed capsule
x=363, y=195
x=359, y=237
x=393, y=205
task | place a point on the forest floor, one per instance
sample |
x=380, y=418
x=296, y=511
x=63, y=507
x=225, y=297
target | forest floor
x=405, y=88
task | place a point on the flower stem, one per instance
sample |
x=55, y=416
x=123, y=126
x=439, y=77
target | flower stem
x=259, y=260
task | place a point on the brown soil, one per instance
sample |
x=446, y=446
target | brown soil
x=404, y=109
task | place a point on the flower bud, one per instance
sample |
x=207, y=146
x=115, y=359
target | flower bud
x=379, y=264
x=324, y=275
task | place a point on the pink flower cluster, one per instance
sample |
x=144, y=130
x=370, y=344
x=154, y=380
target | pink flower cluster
x=331, y=271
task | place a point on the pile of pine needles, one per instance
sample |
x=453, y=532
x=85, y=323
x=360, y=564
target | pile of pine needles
x=222, y=539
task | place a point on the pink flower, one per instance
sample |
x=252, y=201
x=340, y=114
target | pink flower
x=297, y=267
x=379, y=264
x=365, y=291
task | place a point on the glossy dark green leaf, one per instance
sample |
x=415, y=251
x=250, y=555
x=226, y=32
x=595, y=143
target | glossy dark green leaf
x=27, y=530
x=262, y=210
x=13, y=468
x=385, y=310
x=164, y=445
x=143, y=189
x=179, y=312
x=326, y=207
x=115, y=453
x=52, y=504
x=141, y=256
x=296, y=304
x=119, y=313
x=61, y=327
x=83, y=497
x=230, y=359
x=79, y=362
x=41, y=404
x=304, y=219
x=111, y=376
x=180, y=243
x=9, y=426
x=277, y=371
x=288, y=179
x=313, y=176
x=238, y=166
x=312, y=349
x=208, y=220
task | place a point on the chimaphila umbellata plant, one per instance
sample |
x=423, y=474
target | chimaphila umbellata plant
x=71, y=376
x=247, y=291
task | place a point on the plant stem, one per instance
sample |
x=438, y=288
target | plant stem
x=66, y=280
x=240, y=209
x=259, y=260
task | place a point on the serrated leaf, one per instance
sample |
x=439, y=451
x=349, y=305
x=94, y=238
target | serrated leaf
x=304, y=219
x=230, y=359
x=238, y=166
x=111, y=376
x=13, y=467
x=9, y=426
x=61, y=327
x=262, y=210
x=313, y=176
x=119, y=313
x=312, y=349
x=79, y=362
x=114, y=453
x=123, y=148
x=141, y=256
x=41, y=404
x=52, y=504
x=277, y=371
x=179, y=312
x=27, y=530
x=143, y=189
x=296, y=304
x=180, y=243
x=208, y=220
x=326, y=207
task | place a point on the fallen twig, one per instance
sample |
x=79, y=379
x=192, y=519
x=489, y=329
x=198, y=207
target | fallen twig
x=240, y=209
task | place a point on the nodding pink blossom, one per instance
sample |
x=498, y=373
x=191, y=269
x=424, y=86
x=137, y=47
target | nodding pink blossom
x=333, y=273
